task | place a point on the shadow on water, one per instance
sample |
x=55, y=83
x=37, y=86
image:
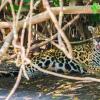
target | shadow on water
x=50, y=88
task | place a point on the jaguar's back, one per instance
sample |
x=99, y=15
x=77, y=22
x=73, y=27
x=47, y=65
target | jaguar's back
x=55, y=60
x=86, y=59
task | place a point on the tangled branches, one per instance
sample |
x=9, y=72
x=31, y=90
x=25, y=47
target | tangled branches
x=22, y=43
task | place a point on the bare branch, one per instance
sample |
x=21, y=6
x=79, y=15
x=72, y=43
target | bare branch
x=15, y=85
x=66, y=76
x=6, y=43
x=68, y=52
x=45, y=16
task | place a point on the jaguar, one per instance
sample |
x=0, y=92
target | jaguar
x=86, y=58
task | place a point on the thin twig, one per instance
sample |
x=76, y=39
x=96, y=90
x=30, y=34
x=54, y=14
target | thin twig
x=29, y=29
x=15, y=85
x=68, y=52
x=45, y=16
x=66, y=76
x=3, y=4
x=19, y=11
x=64, y=28
x=60, y=42
x=6, y=44
x=54, y=36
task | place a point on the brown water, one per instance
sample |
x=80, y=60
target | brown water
x=50, y=88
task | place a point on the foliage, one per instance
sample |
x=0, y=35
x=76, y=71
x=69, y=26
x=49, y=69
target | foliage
x=56, y=2
x=27, y=1
x=95, y=7
x=95, y=18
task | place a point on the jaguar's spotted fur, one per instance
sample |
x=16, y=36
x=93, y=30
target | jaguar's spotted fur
x=55, y=60
x=86, y=59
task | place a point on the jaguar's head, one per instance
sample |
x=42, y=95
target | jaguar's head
x=95, y=31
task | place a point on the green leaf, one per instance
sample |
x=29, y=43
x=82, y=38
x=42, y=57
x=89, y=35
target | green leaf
x=95, y=7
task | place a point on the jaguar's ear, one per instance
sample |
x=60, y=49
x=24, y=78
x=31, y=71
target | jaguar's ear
x=91, y=29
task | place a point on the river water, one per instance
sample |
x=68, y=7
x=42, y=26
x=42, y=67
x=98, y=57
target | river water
x=50, y=88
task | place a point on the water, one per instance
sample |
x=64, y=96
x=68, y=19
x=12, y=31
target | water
x=50, y=88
